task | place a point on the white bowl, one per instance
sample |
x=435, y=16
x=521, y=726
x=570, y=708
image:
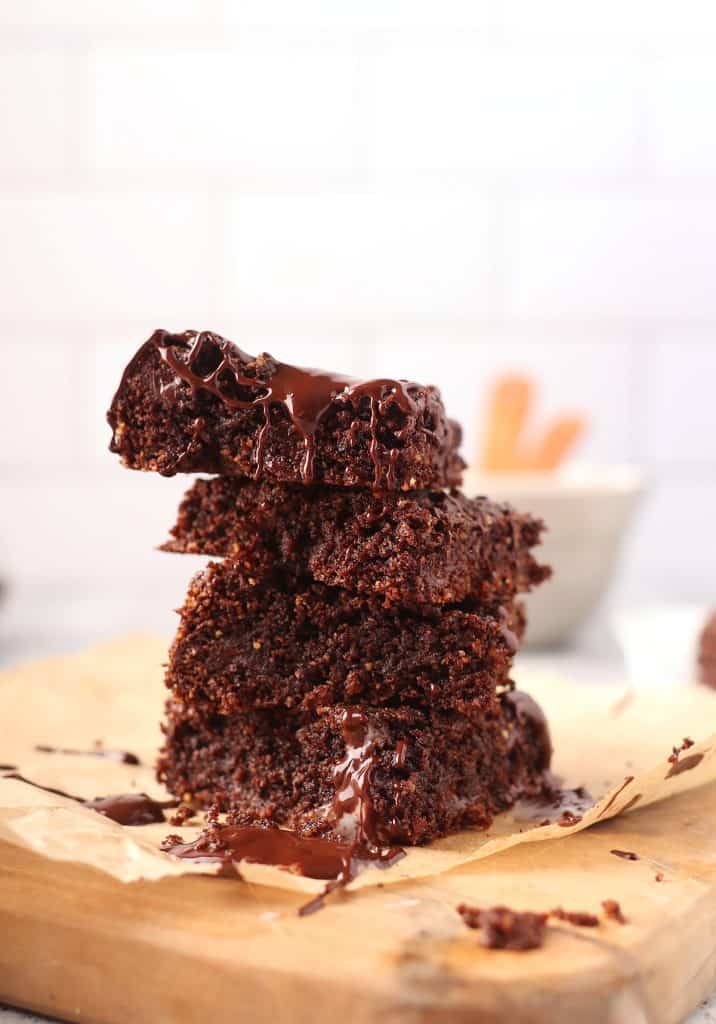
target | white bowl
x=587, y=512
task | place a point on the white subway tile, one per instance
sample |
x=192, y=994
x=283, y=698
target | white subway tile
x=85, y=256
x=456, y=105
x=247, y=108
x=369, y=14
x=669, y=556
x=681, y=99
x=635, y=24
x=679, y=375
x=559, y=19
x=690, y=26
x=357, y=254
x=85, y=529
x=36, y=111
x=43, y=394
x=570, y=375
x=610, y=256
x=101, y=13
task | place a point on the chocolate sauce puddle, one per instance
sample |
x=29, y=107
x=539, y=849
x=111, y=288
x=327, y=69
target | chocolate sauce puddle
x=335, y=861
x=121, y=756
x=304, y=394
x=684, y=764
x=124, y=808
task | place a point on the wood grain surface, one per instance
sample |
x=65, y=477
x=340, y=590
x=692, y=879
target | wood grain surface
x=80, y=945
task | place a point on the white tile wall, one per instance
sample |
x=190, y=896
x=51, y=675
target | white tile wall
x=598, y=256
x=35, y=106
x=435, y=190
x=253, y=108
x=355, y=255
x=80, y=256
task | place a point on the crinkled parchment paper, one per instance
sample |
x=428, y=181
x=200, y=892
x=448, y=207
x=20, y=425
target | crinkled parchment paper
x=114, y=695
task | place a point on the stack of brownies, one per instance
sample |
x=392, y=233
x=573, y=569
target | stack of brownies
x=344, y=669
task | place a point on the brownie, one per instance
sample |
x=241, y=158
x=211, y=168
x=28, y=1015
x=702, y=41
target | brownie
x=707, y=652
x=385, y=775
x=413, y=549
x=194, y=402
x=244, y=643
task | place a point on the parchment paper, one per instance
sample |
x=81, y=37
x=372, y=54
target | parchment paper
x=114, y=694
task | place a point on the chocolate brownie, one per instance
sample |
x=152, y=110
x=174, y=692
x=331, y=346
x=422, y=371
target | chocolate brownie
x=194, y=402
x=707, y=652
x=413, y=549
x=385, y=775
x=244, y=643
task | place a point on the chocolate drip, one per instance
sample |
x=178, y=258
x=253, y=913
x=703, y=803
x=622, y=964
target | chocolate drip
x=352, y=805
x=625, y=854
x=568, y=819
x=124, y=808
x=353, y=809
x=530, y=715
x=130, y=808
x=227, y=844
x=683, y=765
x=7, y=767
x=335, y=861
x=304, y=395
x=122, y=756
x=329, y=860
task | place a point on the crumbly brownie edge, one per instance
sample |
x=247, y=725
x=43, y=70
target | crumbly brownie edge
x=430, y=772
x=412, y=549
x=244, y=643
x=193, y=402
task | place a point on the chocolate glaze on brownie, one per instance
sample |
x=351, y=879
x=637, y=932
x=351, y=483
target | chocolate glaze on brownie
x=413, y=549
x=194, y=402
x=390, y=775
x=244, y=644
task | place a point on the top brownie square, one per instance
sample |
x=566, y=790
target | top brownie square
x=194, y=402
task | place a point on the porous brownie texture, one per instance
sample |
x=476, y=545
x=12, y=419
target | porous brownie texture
x=412, y=549
x=427, y=772
x=244, y=643
x=194, y=402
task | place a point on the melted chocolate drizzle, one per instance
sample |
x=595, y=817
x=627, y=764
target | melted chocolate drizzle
x=336, y=862
x=124, y=808
x=684, y=764
x=121, y=756
x=304, y=394
x=625, y=854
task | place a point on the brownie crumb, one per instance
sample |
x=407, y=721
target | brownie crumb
x=182, y=815
x=613, y=911
x=675, y=751
x=503, y=928
x=659, y=876
x=679, y=764
x=567, y=819
x=577, y=917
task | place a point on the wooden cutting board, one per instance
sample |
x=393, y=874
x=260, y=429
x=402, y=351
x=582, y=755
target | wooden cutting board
x=79, y=945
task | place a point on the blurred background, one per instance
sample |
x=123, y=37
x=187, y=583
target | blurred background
x=445, y=192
